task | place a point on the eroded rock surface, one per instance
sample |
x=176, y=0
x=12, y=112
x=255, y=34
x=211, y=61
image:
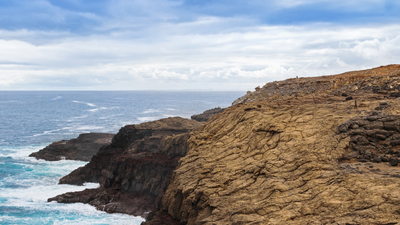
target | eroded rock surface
x=374, y=138
x=281, y=162
x=132, y=171
x=81, y=148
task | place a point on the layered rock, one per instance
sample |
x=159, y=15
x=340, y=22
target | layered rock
x=306, y=159
x=134, y=170
x=268, y=163
x=81, y=148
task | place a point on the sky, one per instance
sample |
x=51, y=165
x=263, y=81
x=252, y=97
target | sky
x=190, y=44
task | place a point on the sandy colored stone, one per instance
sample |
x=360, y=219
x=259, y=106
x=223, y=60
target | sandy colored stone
x=281, y=162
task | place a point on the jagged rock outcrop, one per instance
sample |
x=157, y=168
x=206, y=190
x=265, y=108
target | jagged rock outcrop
x=381, y=79
x=374, y=138
x=290, y=161
x=81, y=148
x=133, y=171
x=206, y=115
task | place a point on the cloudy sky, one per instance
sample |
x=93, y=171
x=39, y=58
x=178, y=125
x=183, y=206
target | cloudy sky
x=189, y=44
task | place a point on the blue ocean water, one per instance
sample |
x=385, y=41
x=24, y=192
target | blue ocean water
x=30, y=120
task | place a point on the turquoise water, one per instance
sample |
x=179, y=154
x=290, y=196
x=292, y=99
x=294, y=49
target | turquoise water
x=31, y=120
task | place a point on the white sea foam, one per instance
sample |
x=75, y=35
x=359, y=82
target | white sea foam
x=93, y=110
x=46, y=132
x=37, y=183
x=87, y=103
x=20, y=152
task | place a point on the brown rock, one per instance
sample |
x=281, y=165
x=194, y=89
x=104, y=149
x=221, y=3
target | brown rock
x=282, y=164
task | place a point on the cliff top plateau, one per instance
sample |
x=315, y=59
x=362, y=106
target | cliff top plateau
x=369, y=79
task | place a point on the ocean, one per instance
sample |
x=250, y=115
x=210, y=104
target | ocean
x=31, y=120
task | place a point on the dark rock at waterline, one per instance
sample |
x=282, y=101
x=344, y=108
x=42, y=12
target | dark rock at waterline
x=136, y=167
x=81, y=148
x=111, y=201
x=206, y=115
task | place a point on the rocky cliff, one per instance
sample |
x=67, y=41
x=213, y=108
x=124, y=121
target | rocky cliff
x=320, y=150
x=81, y=148
x=371, y=79
x=134, y=170
x=316, y=158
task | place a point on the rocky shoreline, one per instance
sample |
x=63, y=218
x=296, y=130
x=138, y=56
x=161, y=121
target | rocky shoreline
x=320, y=150
x=81, y=148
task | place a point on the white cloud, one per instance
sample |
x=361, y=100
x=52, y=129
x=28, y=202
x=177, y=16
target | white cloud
x=241, y=59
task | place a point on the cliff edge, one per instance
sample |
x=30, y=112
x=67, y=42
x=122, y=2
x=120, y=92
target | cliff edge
x=324, y=156
x=370, y=79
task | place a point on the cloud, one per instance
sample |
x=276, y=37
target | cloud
x=182, y=60
x=177, y=44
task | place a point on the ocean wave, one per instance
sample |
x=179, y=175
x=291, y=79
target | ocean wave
x=102, y=108
x=87, y=103
x=47, y=132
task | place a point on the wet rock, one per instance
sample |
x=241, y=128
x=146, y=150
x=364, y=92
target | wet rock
x=132, y=167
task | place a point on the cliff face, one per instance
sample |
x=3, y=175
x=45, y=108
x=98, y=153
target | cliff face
x=311, y=159
x=81, y=148
x=134, y=170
